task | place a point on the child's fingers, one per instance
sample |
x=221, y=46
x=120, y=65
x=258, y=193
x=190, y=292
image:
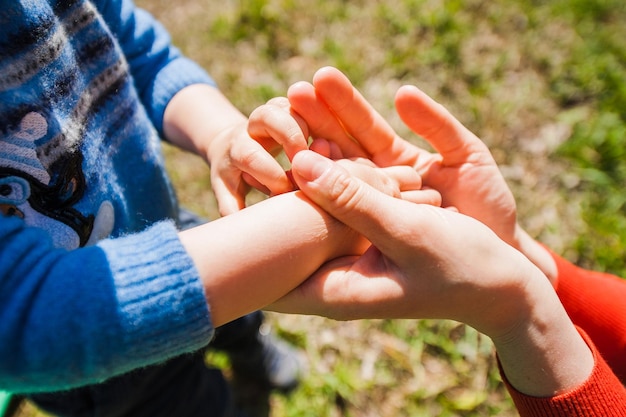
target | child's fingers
x=411, y=187
x=264, y=173
x=322, y=147
x=326, y=148
x=248, y=163
x=406, y=177
x=423, y=196
x=274, y=123
x=230, y=197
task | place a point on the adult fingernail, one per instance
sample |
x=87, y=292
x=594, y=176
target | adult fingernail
x=310, y=165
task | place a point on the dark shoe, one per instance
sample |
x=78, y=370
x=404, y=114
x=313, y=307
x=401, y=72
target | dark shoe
x=250, y=399
x=248, y=410
x=267, y=361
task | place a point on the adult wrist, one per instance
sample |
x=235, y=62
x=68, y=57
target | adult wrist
x=536, y=253
x=544, y=355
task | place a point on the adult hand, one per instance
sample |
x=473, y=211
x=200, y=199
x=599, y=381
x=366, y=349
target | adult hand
x=428, y=262
x=424, y=262
x=462, y=170
x=275, y=127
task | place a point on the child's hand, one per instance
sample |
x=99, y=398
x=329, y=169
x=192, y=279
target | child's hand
x=239, y=162
x=244, y=155
x=396, y=181
x=240, y=152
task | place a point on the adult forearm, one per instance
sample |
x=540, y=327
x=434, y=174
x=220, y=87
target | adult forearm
x=545, y=355
x=600, y=395
x=251, y=258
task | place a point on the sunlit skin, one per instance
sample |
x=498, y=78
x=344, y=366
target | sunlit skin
x=430, y=262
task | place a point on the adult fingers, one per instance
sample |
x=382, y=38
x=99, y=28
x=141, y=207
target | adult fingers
x=356, y=114
x=350, y=200
x=320, y=119
x=438, y=126
x=311, y=297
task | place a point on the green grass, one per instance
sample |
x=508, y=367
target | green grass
x=542, y=83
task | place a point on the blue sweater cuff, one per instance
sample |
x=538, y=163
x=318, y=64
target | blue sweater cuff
x=178, y=74
x=162, y=307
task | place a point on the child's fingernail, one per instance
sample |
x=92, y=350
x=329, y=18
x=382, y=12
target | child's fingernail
x=310, y=165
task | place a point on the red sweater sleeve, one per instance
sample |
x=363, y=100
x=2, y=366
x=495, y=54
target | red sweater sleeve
x=602, y=395
x=596, y=302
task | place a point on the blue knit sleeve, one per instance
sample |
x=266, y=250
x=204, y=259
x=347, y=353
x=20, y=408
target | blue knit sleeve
x=159, y=69
x=79, y=317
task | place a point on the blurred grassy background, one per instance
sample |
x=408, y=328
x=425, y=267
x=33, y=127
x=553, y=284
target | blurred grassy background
x=543, y=83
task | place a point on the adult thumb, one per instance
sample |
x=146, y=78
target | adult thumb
x=348, y=199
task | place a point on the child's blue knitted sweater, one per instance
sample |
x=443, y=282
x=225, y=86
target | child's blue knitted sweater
x=93, y=279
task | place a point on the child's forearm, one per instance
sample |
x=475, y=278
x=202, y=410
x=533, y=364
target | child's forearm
x=249, y=259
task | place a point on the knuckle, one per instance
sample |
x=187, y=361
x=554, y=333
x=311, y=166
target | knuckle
x=346, y=194
x=247, y=157
x=281, y=102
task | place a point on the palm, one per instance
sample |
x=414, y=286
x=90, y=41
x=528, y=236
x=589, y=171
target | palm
x=462, y=170
x=354, y=287
x=402, y=275
x=471, y=189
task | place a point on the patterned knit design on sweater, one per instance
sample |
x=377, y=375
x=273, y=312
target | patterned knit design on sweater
x=78, y=154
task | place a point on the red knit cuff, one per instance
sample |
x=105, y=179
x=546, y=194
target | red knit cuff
x=602, y=395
